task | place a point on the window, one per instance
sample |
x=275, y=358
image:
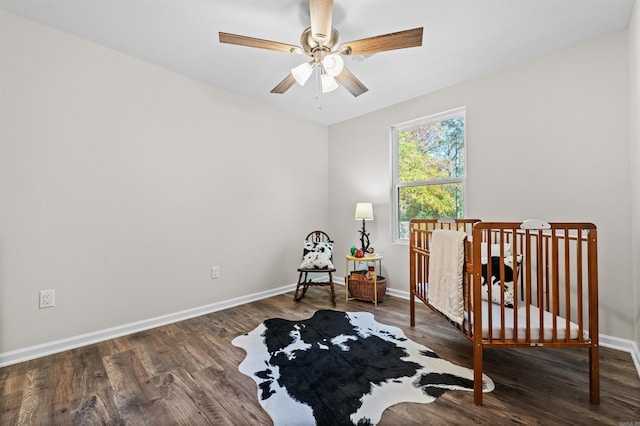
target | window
x=428, y=169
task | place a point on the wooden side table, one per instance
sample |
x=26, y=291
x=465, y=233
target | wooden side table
x=375, y=259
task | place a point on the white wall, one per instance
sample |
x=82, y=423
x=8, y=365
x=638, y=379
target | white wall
x=122, y=184
x=547, y=139
x=634, y=114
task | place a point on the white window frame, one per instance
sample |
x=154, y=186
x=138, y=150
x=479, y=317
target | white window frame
x=419, y=122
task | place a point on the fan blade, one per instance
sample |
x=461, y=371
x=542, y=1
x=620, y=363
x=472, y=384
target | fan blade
x=321, y=12
x=351, y=83
x=257, y=42
x=284, y=85
x=391, y=41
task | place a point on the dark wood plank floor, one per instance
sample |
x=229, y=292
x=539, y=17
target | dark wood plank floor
x=186, y=374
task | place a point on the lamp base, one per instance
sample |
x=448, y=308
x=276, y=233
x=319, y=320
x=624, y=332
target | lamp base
x=364, y=238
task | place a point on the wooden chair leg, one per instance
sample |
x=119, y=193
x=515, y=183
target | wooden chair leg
x=333, y=291
x=305, y=284
x=295, y=296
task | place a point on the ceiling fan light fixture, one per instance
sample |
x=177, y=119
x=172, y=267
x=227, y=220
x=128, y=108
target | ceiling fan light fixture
x=321, y=42
x=302, y=73
x=329, y=84
x=333, y=64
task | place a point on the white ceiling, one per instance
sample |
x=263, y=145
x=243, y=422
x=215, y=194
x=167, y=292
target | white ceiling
x=462, y=39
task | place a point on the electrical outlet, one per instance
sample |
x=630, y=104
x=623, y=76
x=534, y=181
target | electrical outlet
x=47, y=298
x=215, y=272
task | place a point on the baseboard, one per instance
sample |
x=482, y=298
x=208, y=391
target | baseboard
x=56, y=346
x=401, y=294
x=49, y=348
x=622, y=345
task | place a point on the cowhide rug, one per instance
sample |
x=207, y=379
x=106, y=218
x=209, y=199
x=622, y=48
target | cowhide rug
x=339, y=368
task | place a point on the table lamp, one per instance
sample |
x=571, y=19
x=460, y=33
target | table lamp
x=364, y=211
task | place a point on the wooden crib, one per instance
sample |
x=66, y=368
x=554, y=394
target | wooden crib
x=540, y=286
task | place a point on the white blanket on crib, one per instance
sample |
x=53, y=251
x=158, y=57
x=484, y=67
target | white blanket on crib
x=446, y=263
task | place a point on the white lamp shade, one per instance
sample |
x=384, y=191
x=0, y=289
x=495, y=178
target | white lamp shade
x=329, y=84
x=364, y=211
x=302, y=73
x=333, y=64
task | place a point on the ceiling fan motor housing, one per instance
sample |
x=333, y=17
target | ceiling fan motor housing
x=309, y=44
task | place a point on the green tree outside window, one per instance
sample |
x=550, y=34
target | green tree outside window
x=430, y=169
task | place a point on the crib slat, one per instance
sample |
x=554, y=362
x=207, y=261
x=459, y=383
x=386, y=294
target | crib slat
x=540, y=289
x=546, y=242
x=567, y=285
x=528, y=286
x=516, y=294
x=579, y=272
x=555, y=290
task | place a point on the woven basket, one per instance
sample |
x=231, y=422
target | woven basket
x=362, y=289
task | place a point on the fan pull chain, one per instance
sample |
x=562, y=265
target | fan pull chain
x=318, y=86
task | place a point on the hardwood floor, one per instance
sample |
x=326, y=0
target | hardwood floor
x=186, y=374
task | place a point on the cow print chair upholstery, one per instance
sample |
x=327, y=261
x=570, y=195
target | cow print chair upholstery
x=317, y=258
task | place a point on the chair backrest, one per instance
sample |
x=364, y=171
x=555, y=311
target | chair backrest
x=318, y=237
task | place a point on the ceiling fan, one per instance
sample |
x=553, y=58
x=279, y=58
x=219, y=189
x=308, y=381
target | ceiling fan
x=321, y=42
